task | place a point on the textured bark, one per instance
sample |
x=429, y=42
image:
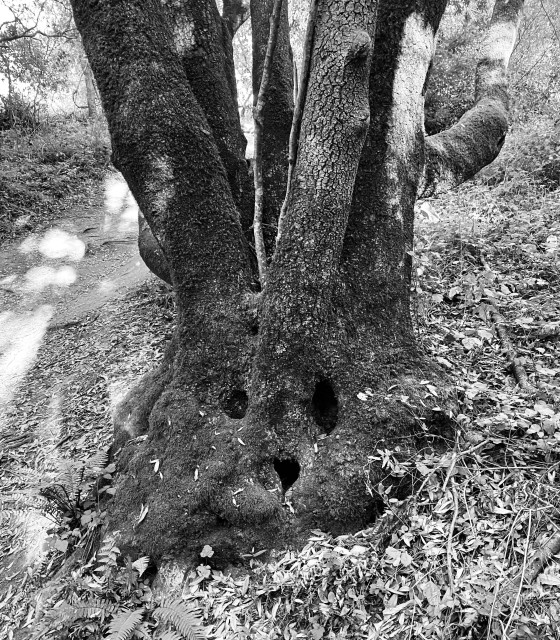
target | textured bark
x=277, y=111
x=235, y=13
x=298, y=385
x=159, y=133
x=457, y=154
x=259, y=123
x=203, y=43
x=376, y=263
x=285, y=393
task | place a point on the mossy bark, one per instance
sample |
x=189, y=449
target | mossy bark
x=235, y=13
x=283, y=395
x=457, y=154
x=203, y=42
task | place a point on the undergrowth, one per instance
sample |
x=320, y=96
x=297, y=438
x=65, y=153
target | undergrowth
x=46, y=170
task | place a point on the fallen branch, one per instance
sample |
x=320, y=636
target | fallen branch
x=542, y=557
x=518, y=369
x=450, y=576
x=259, y=126
x=500, y=322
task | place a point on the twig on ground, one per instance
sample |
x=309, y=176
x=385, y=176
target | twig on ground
x=519, y=581
x=518, y=369
x=450, y=537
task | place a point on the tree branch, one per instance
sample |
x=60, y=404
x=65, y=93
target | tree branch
x=301, y=93
x=31, y=31
x=457, y=154
x=257, y=115
x=234, y=14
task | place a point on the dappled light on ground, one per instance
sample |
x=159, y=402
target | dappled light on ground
x=44, y=267
x=55, y=244
x=121, y=210
x=20, y=338
x=38, y=278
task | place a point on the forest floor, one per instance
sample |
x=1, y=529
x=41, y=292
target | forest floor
x=473, y=554
x=81, y=320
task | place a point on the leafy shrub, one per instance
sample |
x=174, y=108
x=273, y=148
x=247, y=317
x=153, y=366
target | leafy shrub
x=530, y=158
x=15, y=111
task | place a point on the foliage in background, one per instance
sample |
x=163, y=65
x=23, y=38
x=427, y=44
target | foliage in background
x=534, y=77
x=46, y=171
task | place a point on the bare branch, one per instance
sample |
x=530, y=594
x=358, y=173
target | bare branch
x=257, y=115
x=457, y=154
x=67, y=31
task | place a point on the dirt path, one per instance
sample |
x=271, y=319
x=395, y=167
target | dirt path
x=79, y=323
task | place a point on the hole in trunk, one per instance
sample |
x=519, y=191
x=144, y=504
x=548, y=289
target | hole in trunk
x=235, y=406
x=288, y=472
x=324, y=406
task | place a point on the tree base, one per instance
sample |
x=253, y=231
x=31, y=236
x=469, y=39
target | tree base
x=203, y=478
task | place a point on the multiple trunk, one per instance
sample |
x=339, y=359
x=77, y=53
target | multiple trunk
x=279, y=397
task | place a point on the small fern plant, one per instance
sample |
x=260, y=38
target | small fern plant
x=110, y=598
x=176, y=621
x=69, y=495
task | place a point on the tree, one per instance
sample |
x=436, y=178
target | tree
x=279, y=394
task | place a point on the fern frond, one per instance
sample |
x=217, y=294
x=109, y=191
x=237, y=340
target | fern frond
x=107, y=556
x=183, y=616
x=69, y=612
x=97, y=462
x=95, y=606
x=124, y=624
x=141, y=565
x=70, y=478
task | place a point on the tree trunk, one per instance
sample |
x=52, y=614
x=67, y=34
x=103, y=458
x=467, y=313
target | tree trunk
x=267, y=408
x=90, y=88
x=277, y=112
x=203, y=43
x=457, y=154
x=337, y=355
x=159, y=133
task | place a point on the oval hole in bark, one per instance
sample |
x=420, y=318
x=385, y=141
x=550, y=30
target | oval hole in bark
x=324, y=406
x=288, y=472
x=235, y=406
